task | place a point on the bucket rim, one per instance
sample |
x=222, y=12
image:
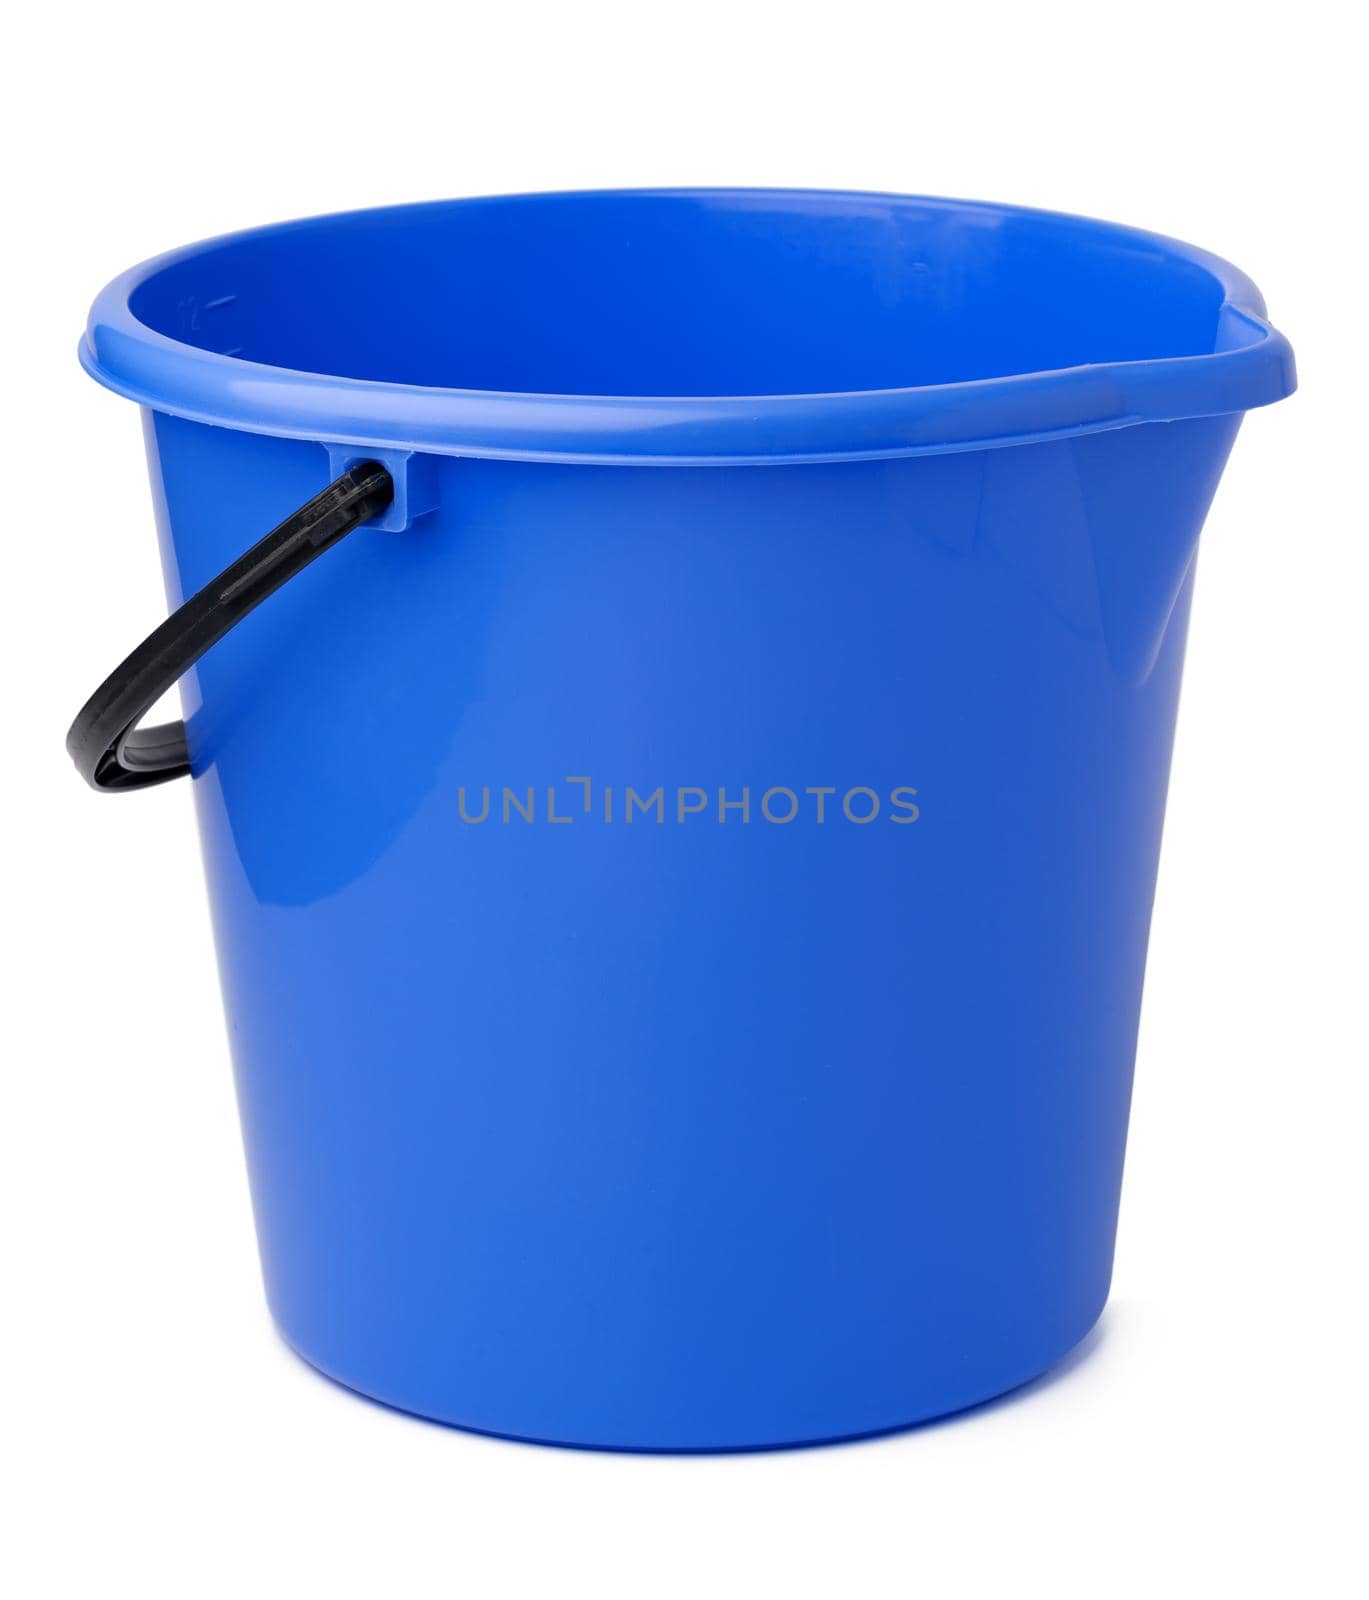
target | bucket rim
x=1254, y=368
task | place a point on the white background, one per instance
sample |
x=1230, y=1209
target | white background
x=1208, y=1438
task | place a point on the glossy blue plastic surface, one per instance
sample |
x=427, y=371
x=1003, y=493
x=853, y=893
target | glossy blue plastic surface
x=665, y=1122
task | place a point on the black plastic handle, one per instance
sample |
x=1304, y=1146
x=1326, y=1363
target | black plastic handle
x=109, y=749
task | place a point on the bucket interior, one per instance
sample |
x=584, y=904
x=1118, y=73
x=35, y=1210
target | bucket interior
x=711, y=294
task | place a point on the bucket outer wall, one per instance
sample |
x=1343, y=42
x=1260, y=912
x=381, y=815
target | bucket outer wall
x=713, y=1133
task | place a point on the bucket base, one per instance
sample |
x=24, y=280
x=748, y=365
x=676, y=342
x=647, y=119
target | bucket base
x=1077, y=1350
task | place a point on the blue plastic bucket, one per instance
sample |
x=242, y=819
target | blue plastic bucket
x=681, y=873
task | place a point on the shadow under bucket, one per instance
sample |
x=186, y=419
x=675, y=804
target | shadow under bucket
x=682, y=867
